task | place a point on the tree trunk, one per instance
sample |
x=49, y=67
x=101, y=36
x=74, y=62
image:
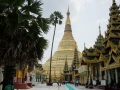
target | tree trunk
x=51, y=53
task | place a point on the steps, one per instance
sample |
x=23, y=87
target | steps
x=21, y=86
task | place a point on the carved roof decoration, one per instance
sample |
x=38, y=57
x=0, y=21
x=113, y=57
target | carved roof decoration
x=92, y=54
x=65, y=70
x=113, y=28
x=75, y=58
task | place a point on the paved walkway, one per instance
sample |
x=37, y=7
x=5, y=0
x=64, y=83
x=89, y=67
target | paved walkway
x=44, y=87
x=55, y=87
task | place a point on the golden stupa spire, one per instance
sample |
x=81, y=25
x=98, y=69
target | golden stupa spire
x=68, y=18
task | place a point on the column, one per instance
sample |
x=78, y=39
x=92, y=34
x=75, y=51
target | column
x=67, y=77
x=82, y=79
x=1, y=77
x=95, y=72
x=100, y=74
x=116, y=75
x=91, y=73
x=88, y=74
x=109, y=77
x=64, y=77
x=105, y=76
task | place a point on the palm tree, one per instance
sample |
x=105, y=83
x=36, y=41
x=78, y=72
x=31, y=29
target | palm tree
x=55, y=18
x=22, y=27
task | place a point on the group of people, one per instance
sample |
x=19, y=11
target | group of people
x=59, y=83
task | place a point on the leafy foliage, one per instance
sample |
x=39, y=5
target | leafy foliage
x=22, y=27
x=56, y=18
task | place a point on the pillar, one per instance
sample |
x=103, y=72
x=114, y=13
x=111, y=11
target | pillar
x=116, y=75
x=100, y=74
x=109, y=77
x=91, y=73
x=64, y=77
x=69, y=78
x=1, y=77
x=80, y=79
x=106, y=75
x=88, y=74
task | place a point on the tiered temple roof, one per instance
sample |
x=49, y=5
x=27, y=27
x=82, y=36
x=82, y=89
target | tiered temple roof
x=112, y=37
x=108, y=48
x=75, y=61
x=92, y=55
x=65, y=70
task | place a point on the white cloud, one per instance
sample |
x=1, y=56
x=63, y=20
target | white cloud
x=78, y=5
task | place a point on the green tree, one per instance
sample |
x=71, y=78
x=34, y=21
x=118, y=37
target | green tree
x=55, y=18
x=22, y=27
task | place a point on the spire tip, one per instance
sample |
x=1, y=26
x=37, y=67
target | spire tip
x=113, y=1
x=99, y=29
x=84, y=46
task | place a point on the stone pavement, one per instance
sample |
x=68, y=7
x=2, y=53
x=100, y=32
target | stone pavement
x=82, y=88
x=55, y=87
x=44, y=87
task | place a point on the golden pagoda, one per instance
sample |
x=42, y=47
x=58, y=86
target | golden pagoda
x=66, y=47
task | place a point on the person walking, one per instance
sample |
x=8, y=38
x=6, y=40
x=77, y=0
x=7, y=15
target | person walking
x=76, y=82
x=58, y=83
x=9, y=86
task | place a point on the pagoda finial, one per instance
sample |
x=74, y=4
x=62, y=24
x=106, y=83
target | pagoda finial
x=99, y=29
x=68, y=12
x=68, y=18
x=84, y=46
x=113, y=1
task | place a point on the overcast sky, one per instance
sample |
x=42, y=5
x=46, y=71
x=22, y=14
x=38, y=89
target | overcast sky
x=85, y=16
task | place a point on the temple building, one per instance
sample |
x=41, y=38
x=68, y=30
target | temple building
x=93, y=57
x=66, y=48
x=103, y=60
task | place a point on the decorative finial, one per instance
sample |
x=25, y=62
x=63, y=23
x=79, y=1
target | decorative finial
x=68, y=12
x=84, y=46
x=99, y=29
x=68, y=18
x=113, y=1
